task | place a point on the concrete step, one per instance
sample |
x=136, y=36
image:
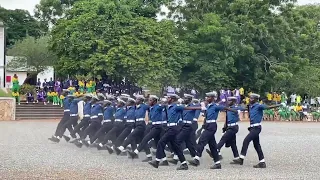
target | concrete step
x=35, y=111
x=38, y=115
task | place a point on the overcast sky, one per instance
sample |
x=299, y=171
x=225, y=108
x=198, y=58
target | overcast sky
x=30, y=4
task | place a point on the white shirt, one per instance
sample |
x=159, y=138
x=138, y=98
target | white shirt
x=193, y=91
x=293, y=98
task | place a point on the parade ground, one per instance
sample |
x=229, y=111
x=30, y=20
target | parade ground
x=291, y=152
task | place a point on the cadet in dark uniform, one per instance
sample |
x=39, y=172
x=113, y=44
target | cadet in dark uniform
x=187, y=132
x=136, y=135
x=73, y=116
x=230, y=129
x=107, y=123
x=129, y=125
x=95, y=123
x=86, y=117
x=208, y=135
x=65, y=118
x=118, y=125
x=155, y=116
x=255, y=115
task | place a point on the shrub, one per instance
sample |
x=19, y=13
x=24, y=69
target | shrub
x=24, y=89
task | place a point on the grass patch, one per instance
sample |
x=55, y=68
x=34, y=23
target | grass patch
x=4, y=94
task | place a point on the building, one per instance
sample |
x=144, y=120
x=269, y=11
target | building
x=2, y=54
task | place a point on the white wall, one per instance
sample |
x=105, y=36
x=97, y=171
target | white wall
x=21, y=77
x=49, y=73
x=2, y=45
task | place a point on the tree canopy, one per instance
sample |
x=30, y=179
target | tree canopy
x=19, y=24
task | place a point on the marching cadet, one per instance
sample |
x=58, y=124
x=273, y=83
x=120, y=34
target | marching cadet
x=230, y=129
x=95, y=122
x=255, y=115
x=208, y=135
x=107, y=123
x=155, y=116
x=136, y=135
x=187, y=132
x=65, y=117
x=72, y=122
x=174, y=114
x=118, y=125
x=84, y=123
x=129, y=125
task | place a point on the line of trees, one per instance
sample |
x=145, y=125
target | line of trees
x=205, y=44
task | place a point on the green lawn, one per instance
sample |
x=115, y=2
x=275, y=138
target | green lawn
x=4, y=94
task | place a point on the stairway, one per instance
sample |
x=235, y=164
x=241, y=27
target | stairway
x=39, y=111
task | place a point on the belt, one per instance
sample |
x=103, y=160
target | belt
x=130, y=121
x=86, y=115
x=172, y=124
x=73, y=115
x=100, y=114
x=140, y=119
x=255, y=124
x=211, y=121
x=118, y=120
x=187, y=122
x=106, y=120
x=232, y=124
x=66, y=110
x=92, y=117
x=159, y=122
x=195, y=119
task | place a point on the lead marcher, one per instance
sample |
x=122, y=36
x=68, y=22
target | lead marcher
x=255, y=115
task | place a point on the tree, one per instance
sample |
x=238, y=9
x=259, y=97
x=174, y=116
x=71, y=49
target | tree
x=32, y=54
x=19, y=24
x=110, y=37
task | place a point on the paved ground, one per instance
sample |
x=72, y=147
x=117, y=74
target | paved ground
x=291, y=150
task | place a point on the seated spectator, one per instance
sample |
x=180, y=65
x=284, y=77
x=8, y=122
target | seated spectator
x=41, y=96
x=30, y=97
x=299, y=110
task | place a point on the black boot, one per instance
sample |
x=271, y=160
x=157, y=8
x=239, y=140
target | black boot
x=117, y=150
x=173, y=161
x=216, y=166
x=154, y=163
x=86, y=143
x=110, y=150
x=260, y=165
x=194, y=162
x=237, y=161
x=78, y=144
x=54, y=139
x=74, y=141
x=147, y=159
x=99, y=147
x=66, y=138
x=164, y=163
x=132, y=155
x=183, y=166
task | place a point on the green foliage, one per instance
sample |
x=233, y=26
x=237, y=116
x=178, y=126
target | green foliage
x=26, y=88
x=32, y=54
x=19, y=23
x=4, y=94
x=110, y=37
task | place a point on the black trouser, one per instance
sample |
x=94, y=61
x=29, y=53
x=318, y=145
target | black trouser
x=135, y=137
x=154, y=132
x=64, y=119
x=94, y=126
x=208, y=137
x=184, y=136
x=193, y=137
x=229, y=137
x=79, y=128
x=106, y=127
x=253, y=136
x=68, y=125
x=170, y=137
x=114, y=132
x=124, y=134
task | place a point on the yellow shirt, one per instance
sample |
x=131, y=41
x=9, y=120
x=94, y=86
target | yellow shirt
x=274, y=97
x=298, y=108
x=298, y=99
x=269, y=97
x=241, y=91
x=15, y=94
x=61, y=97
x=278, y=98
x=247, y=100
